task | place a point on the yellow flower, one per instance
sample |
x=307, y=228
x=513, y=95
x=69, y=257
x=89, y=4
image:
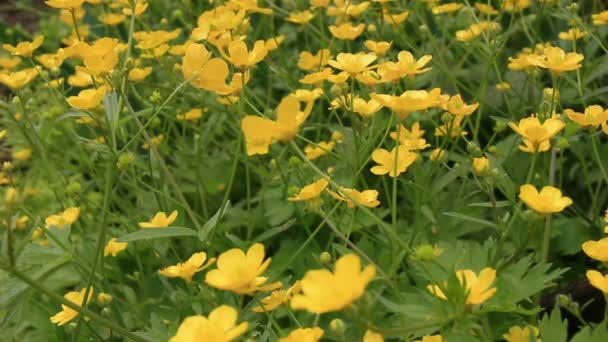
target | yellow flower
x=104, y=299
x=600, y=19
x=598, y=280
x=65, y=4
x=311, y=191
x=406, y=65
x=24, y=49
x=18, y=79
x=318, y=150
x=572, y=34
x=113, y=247
x=219, y=326
x=372, y=336
x=354, y=198
x=51, y=60
x=148, y=40
x=410, y=101
x=304, y=335
x=456, y=106
x=393, y=18
x=100, y=58
x=346, y=31
x=447, y=8
x=67, y=314
x=138, y=74
x=548, y=201
x=88, y=99
x=486, y=9
x=519, y=334
x=536, y=135
x=476, y=30
x=112, y=19
x=154, y=141
x=515, y=5
x=240, y=57
x=597, y=250
x=413, y=139
x=431, y=338
x=278, y=298
x=379, y=48
x=503, y=86
x=240, y=272
x=594, y=116
x=365, y=108
x=324, y=291
x=308, y=61
x=186, y=270
x=353, y=63
x=481, y=166
x=300, y=17
x=160, y=220
x=478, y=287
x=9, y=63
x=193, y=115
x=260, y=132
x=556, y=60
x=205, y=72
x=63, y=219
x=22, y=154
x=393, y=163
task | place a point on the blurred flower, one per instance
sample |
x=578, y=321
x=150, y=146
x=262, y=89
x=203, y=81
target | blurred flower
x=219, y=326
x=548, y=201
x=572, y=34
x=160, y=220
x=186, y=270
x=346, y=31
x=372, y=336
x=447, y=8
x=67, y=314
x=536, y=135
x=25, y=49
x=139, y=74
x=354, y=198
x=240, y=57
x=113, y=247
x=240, y=272
x=308, y=61
x=205, y=72
x=476, y=30
x=300, y=17
x=65, y=4
x=379, y=48
x=456, y=106
x=597, y=250
x=406, y=65
x=519, y=334
x=556, y=60
x=63, y=219
x=193, y=115
x=278, y=298
x=600, y=19
x=598, y=280
x=481, y=166
x=515, y=5
x=353, y=63
x=18, y=79
x=311, y=191
x=324, y=291
x=477, y=287
x=88, y=98
x=593, y=117
x=304, y=335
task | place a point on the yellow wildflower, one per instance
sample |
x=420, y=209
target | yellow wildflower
x=410, y=101
x=346, y=31
x=486, y=9
x=318, y=150
x=205, y=72
x=354, y=198
x=476, y=30
x=548, y=201
x=160, y=220
x=219, y=326
x=88, y=99
x=324, y=291
x=113, y=247
x=22, y=154
x=447, y=8
x=9, y=63
x=598, y=280
x=393, y=163
x=100, y=58
x=67, y=314
x=600, y=19
x=311, y=191
x=193, y=115
x=278, y=298
x=353, y=63
x=372, y=336
x=63, y=219
x=478, y=287
x=393, y=18
x=138, y=74
x=515, y=5
x=593, y=117
x=406, y=65
x=308, y=61
x=65, y=4
x=366, y=108
x=431, y=338
x=456, y=106
x=25, y=49
x=240, y=272
x=186, y=270
x=519, y=334
x=300, y=17
x=240, y=57
x=304, y=335
x=379, y=48
x=112, y=19
x=536, y=135
x=597, y=250
x=19, y=79
x=556, y=60
x=572, y=34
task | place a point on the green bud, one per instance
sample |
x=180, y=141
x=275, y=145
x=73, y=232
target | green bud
x=293, y=190
x=156, y=97
x=295, y=161
x=125, y=160
x=493, y=149
x=325, y=258
x=563, y=300
x=473, y=149
x=563, y=143
x=73, y=188
x=500, y=126
x=177, y=14
x=426, y=252
x=338, y=326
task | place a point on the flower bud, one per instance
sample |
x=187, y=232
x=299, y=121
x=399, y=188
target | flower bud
x=500, y=126
x=338, y=326
x=73, y=188
x=473, y=149
x=563, y=143
x=325, y=258
x=125, y=160
x=439, y=154
x=104, y=299
x=295, y=161
x=481, y=166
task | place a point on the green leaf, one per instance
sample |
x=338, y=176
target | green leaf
x=599, y=334
x=471, y=219
x=157, y=233
x=553, y=328
x=212, y=223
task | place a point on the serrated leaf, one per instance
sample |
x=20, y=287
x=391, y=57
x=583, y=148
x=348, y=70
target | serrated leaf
x=157, y=233
x=599, y=334
x=553, y=328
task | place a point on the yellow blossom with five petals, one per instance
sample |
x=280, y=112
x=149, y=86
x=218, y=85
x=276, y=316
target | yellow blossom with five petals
x=548, y=201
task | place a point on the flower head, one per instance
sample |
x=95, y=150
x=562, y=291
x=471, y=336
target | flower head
x=113, y=247
x=354, y=198
x=556, y=60
x=278, y=298
x=536, y=134
x=65, y=4
x=160, y=220
x=548, y=201
x=346, y=31
x=478, y=287
x=25, y=49
x=456, y=106
x=598, y=280
x=88, y=99
x=311, y=191
x=393, y=163
x=519, y=334
x=304, y=335
x=481, y=166
x=240, y=57
x=594, y=116
x=353, y=63
x=597, y=250
x=63, y=219
x=205, y=72
x=240, y=272
x=406, y=65
x=324, y=291
x=18, y=79
x=309, y=61
x=186, y=270
x=67, y=314
x=219, y=326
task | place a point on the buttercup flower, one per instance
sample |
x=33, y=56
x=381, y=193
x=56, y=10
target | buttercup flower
x=239, y=55
x=65, y=4
x=548, y=201
x=346, y=31
x=324, y=291
x=456, y=106
x=597, y=250
x=515, y=5
x=519, y=334
x=205, y=72
x=354, y=198
x=556, y=60
x=593, y=117
x=300, y=17
x=406, y=65
x=88, y=99
x=372, y=336
x=193, y=115
x=25, y=49
x=410, y=101
x=240, y=272
x=278, y=298
x=379, y=48
x=63, y=219
x=481, y=166
x=572, y=34
x=219, y=326
x=447, y=8
x=393, y=163
x=19, y=79
x=476, y=30
x=304, y=335
x=308, y=61
x=366, y=108
x=600, y=19
x=67, y=314
x=186, y=270
x=353, y=63
x=478, y=287
x=431, y=338
x=536, y=135
x=113, y=247
x=138, y=74
x=598, y=280
x=160, y=220
x=311, y=191
x=486, y=9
